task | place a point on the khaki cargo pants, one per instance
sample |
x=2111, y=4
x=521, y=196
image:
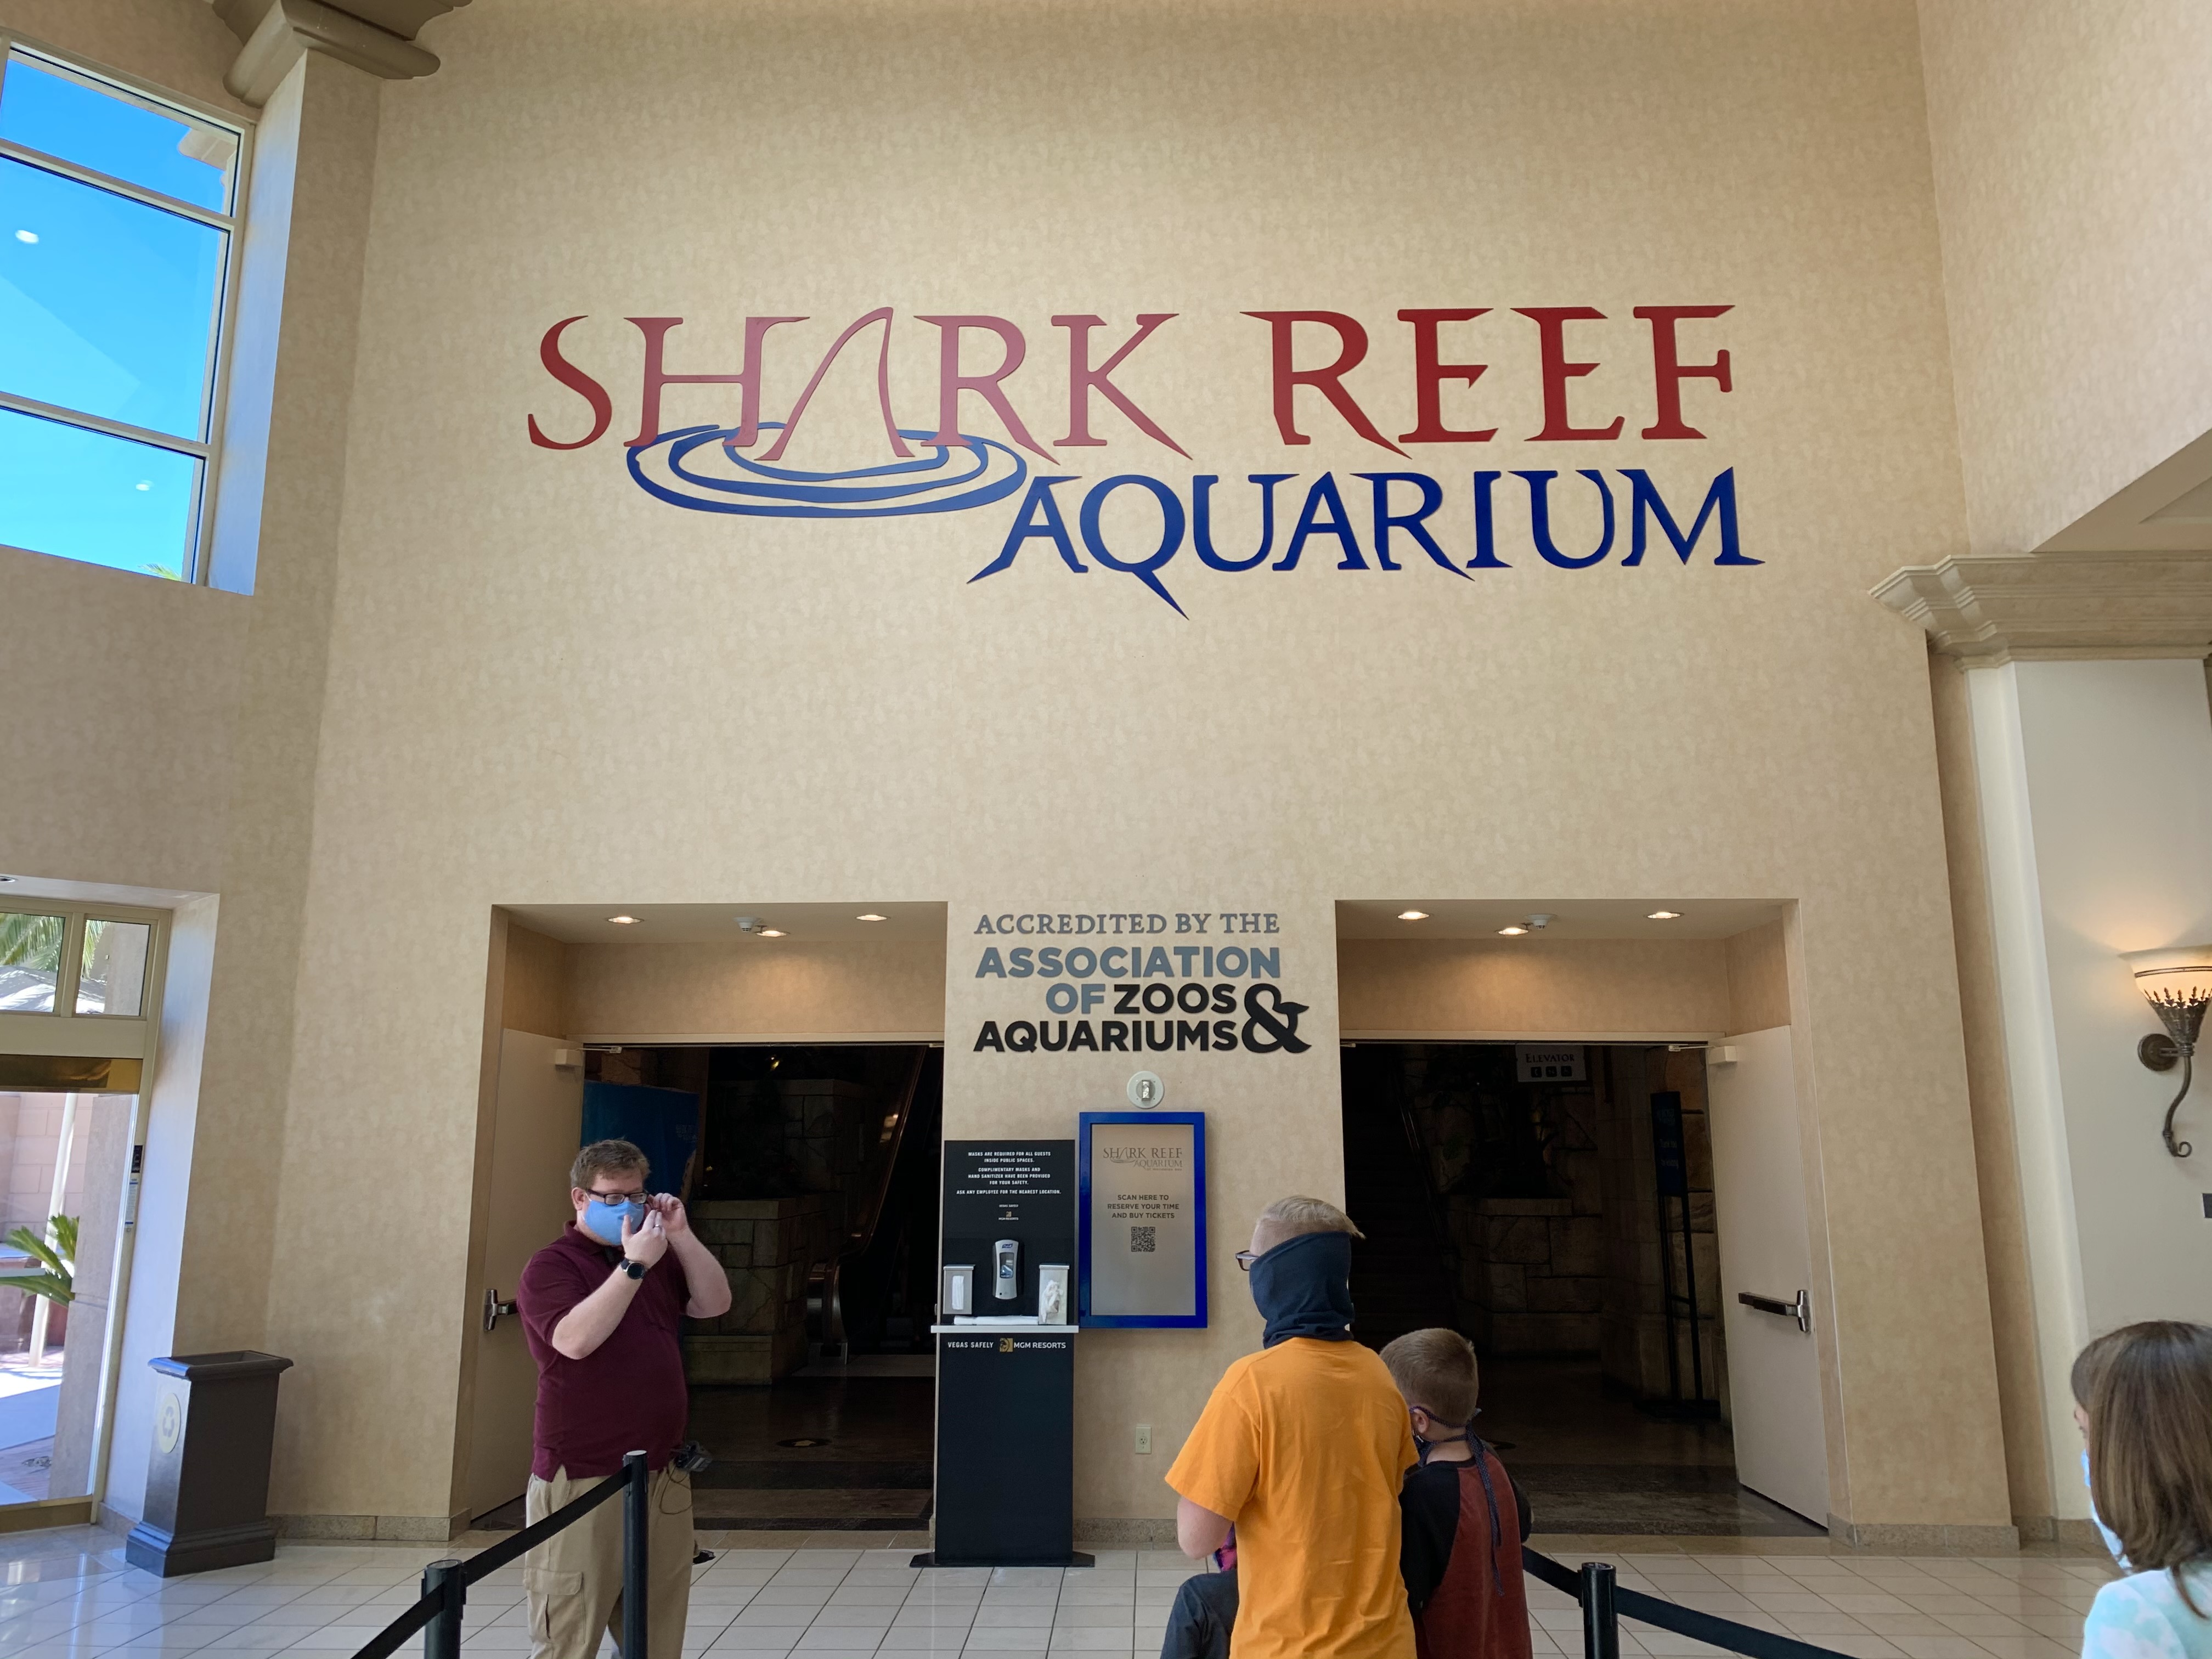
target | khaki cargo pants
x=574, y=1582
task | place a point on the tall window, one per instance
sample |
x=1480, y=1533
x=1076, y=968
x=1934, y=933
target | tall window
x=117, y=217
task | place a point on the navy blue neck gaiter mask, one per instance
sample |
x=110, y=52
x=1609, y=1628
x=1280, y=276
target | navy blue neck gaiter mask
x=1304, y=1288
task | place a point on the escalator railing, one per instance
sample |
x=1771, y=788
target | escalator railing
x=1438, y=1212
x=825, y=1311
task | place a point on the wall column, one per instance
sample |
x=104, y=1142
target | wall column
x=2095, y=789
x=314, y=165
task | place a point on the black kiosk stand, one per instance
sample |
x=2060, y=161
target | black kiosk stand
x=1005, y=1357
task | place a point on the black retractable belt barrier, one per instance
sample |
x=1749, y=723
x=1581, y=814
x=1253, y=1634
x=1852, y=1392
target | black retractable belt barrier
x=446, y=1583
x=1604, y=1604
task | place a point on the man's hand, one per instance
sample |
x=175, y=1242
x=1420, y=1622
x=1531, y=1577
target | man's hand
x=704, y=1271
x=647, y=1243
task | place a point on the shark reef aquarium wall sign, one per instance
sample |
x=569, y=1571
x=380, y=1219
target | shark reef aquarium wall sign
x=1475, y=523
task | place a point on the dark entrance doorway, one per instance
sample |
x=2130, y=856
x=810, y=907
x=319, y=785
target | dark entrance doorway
x=816, y=1394
x=1558, y=1210
x=815, y=1184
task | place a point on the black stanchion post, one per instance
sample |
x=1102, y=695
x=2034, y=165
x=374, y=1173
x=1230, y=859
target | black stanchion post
x=637, y=1517
x=442, y=1637
x=1601, y=1624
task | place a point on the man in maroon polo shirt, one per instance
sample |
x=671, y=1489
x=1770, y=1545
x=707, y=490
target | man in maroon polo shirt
x=600, y=1308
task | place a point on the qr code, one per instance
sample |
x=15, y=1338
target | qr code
x=1142, y=1240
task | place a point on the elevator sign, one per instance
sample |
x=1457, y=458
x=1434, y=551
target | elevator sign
x=1557, y=1062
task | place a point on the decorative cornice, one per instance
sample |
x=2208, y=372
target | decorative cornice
x=375, y=36
x=1987, y=611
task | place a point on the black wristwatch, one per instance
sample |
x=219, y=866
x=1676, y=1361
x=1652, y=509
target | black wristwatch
x=634, y=1269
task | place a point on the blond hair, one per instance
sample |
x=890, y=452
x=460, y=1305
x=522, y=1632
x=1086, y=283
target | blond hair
x=1435, y=1368
x=1293, y=1218
x=2149, y=1390
x=607, y=1157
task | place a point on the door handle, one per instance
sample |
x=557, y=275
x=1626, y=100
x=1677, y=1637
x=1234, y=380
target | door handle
x=493, y=1308
x=1801, y=1310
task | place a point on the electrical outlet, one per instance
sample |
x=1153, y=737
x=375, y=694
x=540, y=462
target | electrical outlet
x=1143, y=1439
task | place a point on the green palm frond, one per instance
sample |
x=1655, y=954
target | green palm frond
x=29, y=938
x=57, y=1282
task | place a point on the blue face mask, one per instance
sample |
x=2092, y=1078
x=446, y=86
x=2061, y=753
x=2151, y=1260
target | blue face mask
x=2111, y=1539
x=605, y=1221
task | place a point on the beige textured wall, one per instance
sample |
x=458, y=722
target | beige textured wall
x=178, y=44
x=1274, y=1127
x=1593, y=988
x=803, y=711
x=1758, y=979
x=717, y=990
x=2069, y=139
x=535, y=983
x=120, y=693
x=2012, y=1307
x=319, y=128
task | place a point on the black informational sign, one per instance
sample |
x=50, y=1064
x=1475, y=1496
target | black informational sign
x=1006, y=1448
x=1002, y=1191
x=1006, y=1392
x=1667, y=1150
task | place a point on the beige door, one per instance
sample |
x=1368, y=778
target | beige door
x=538, y=1121
x=1766, y=1255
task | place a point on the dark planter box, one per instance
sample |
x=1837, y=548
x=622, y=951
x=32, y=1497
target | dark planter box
x=207, y=1485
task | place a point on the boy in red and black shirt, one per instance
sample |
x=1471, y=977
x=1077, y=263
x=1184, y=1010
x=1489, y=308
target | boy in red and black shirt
x=1463, y=1517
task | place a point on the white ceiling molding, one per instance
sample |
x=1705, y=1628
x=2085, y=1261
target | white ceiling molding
x=2166, y=509
x=2131, y=577
x=375, y=36
x=1987, y=611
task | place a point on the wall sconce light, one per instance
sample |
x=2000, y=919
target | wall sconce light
x=2177, y=983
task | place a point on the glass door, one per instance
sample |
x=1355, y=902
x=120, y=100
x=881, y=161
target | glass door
x=64, y=1162
x=79, y=1001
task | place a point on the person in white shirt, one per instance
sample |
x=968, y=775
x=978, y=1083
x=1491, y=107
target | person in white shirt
x=2144, y=1401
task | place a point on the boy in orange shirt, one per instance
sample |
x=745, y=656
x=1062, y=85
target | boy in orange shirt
x=1302, y=1447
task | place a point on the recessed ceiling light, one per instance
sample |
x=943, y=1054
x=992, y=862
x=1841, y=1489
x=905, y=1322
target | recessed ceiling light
x=871, y=916
x=771, y=932
x=622, y=921
x=1664, y=915
x=1412, y=915
x=1513, y=930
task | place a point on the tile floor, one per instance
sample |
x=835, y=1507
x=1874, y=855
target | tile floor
x=823, y=1596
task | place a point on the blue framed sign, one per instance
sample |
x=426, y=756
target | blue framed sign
x=1141, y=1212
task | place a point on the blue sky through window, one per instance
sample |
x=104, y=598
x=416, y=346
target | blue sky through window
x=108, y=306
x=151, y=149
x=85, y=495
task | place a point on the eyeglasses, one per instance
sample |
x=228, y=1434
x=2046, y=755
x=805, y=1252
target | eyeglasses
x=637, y=1197
x=1245, y=1258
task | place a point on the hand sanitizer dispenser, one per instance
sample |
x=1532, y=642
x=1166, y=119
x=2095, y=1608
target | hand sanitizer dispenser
x=959, y=1292
x=1052, y=1293
x=1006, y=1270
